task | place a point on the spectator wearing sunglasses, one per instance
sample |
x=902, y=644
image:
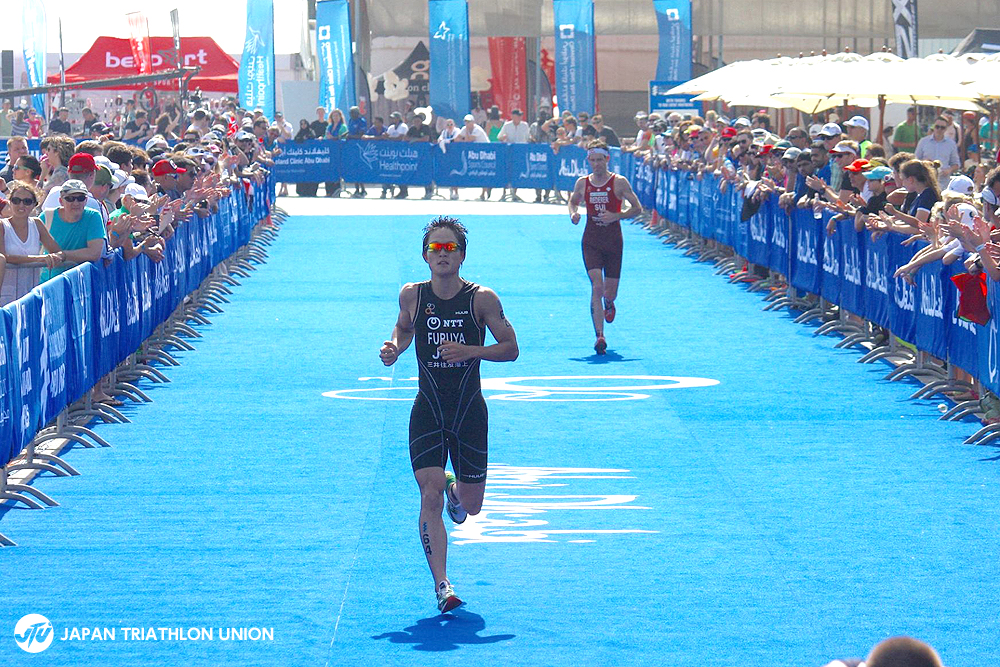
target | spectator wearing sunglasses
x=940, y=148
x=78, y=230
x=27, y=169
x=22, y=237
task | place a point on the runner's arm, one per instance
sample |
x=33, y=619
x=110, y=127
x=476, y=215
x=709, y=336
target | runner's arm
x=575, y=199
x=402, y=333
x=487, y=309
x=624, y=191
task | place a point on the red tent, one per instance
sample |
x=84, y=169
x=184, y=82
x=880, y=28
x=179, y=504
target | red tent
x=111, y=57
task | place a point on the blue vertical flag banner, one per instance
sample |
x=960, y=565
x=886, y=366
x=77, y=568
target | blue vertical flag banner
x=450, y=87
x=35, y=47
x=336, y=59
x=576, y=67
x=674, y=20
x=257, y=65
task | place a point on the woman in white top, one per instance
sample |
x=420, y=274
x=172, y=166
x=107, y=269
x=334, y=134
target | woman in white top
x=448, y=134
x=21, y=237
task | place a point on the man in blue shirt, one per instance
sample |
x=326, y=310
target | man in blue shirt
x=357, y=127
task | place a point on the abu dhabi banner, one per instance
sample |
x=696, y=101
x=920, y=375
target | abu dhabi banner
x=576, y=67
x=450, y=86
x=257, y=64
x=674, y=20
x=33, y=34
x=336, y=60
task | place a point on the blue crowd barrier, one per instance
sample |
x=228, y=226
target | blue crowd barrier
x=485, y=165
x=67, y=333
x=847, y=268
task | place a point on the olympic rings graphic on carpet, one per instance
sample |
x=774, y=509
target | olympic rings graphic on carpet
x=537, y=388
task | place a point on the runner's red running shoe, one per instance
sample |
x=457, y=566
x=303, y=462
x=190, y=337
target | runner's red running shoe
x=601, y=345
x=609, y=311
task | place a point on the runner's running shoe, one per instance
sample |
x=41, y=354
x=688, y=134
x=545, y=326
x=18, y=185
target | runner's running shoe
x=455, y=511
x=609, y=311
x=601, y=345
x=447, y=600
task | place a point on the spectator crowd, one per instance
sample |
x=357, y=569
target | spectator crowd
x=127, y=191
x=937, y=185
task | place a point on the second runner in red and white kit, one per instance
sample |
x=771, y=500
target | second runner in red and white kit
x=602, y=193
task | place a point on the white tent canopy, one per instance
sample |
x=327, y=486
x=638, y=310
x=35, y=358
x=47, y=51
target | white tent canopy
x=816, y=83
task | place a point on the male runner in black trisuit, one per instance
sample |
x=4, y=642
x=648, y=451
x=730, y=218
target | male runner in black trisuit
x=602, y=192
x=447, y=316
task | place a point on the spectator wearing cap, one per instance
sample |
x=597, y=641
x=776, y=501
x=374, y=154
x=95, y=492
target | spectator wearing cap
x=283, y=125
x=937, y=146
x=843, y=155
x=165, y=174
x=60, y=124
x=81, y=167
x=515, y=131
x=103, y=182
x=831, y=134
x=157, y=141
x=138, y=129
x=21, y=239
x=99, y=131
x=857, y=131
x=904, y=137
x=78, y=230
x=876, y=178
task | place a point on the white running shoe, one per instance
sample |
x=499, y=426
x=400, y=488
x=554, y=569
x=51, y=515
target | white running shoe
x=447, y=600
x=455, y=511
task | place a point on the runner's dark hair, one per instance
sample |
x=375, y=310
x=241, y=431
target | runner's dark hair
x=446, y=222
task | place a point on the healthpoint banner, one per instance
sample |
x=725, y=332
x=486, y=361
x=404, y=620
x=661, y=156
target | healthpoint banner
x=257, y=65
x=673, y=17
x=458, y=165
x=34, y=48
x=576, y=70
x=450, y=87
x=336, y=60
